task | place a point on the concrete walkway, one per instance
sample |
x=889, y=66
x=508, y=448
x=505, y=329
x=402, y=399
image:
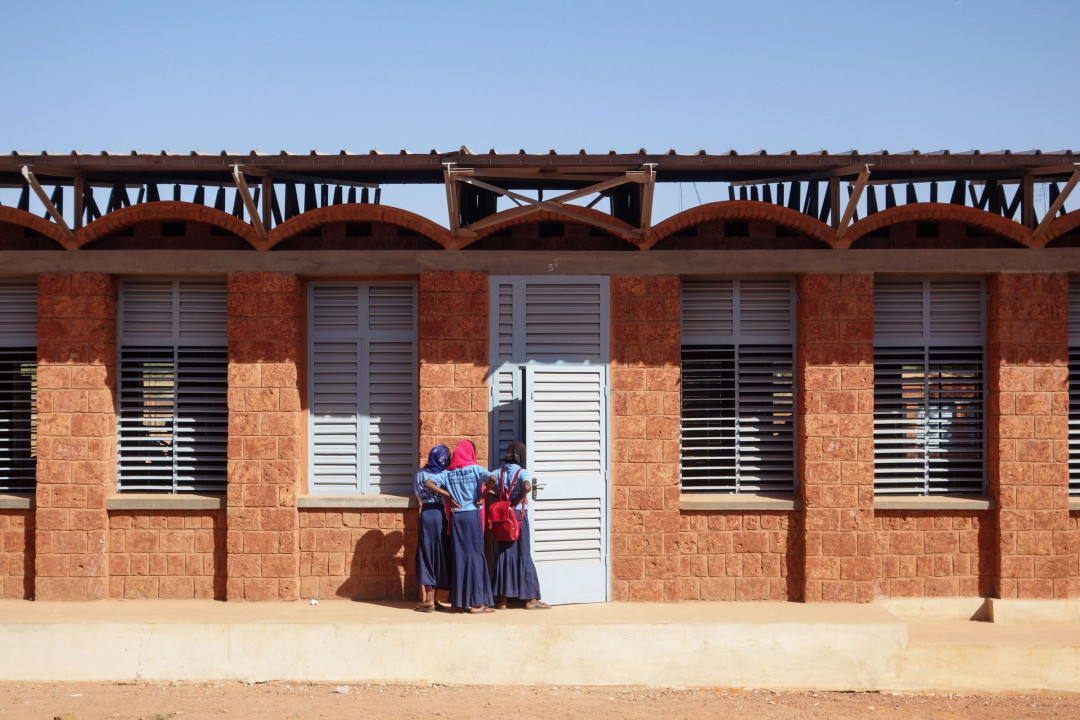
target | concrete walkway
x=887, y=646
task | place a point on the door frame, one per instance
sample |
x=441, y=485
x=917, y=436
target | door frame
x=519, y=362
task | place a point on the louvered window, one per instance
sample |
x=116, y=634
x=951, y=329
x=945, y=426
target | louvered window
x=929, y=389
x=363, y=387
x=738, y=390
x=1074, y=387
x=18, y=386
x=173, y=424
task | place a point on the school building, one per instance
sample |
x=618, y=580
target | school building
x=857, y=377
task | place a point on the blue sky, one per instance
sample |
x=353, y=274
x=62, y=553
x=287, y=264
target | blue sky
x=774, y=75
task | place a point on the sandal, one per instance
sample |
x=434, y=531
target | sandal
x=537, y=605
x=480, y=609
x=421, y=607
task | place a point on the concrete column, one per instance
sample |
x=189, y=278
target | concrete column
x=265, y=436
x=1028, y=434
x=835, y=380
x=76, y=441
x=646, y=563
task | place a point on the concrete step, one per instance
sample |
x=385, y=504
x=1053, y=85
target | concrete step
x=761, y=645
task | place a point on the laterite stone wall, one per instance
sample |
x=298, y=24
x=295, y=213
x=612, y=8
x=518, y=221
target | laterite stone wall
x=172, y=554
x=16, y=554
x=358, y=554
x=76, y=441
x=645, y=525
x=266, y=436
x=835, y=456
x=453, y=320
x=1028, y=428
x=934, y=553
x=731, y=555
x=835, y=547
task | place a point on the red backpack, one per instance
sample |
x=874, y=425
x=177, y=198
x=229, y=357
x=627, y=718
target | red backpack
x=502, y=521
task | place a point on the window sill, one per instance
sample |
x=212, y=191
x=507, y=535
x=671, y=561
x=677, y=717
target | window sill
x=933, y=502
x=1074, y=504
x=739, y=502
x=371, y=502
x=16, y=502
x=151, y=501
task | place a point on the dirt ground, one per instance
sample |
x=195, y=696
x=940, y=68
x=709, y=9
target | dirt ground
x=185, y=701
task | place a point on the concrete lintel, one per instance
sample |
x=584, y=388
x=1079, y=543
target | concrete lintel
x=513, y=262
x=1011, y=611
x=932, y=502
x=371, y=502
x=739, y=502
x=16, y=502
x=150, y=501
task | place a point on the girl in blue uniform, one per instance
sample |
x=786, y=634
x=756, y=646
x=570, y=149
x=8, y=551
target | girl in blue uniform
x=515, y=573
x=467, y=482
x=433, y=544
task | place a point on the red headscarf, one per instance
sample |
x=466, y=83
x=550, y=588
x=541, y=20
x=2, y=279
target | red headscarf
x=464, y=455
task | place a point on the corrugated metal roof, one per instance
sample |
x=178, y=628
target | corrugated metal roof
x=465, y=150
x=523, y=169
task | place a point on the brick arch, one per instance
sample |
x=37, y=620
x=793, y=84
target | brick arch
x=742, y=210
x=551, y=216
x=1058, y=227
x=939, y=212
x=164, y=210
x=358, y=212
x=22, y=218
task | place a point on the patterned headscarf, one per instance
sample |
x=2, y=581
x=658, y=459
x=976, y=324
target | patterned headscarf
x=437, y=459
x=515, y=453
x=464, y=455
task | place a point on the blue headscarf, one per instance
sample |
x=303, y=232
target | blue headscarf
x=437, y=459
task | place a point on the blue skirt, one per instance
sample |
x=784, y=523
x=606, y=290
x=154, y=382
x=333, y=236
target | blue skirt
x=433, y=549
x=515, y=573
x=470, y=584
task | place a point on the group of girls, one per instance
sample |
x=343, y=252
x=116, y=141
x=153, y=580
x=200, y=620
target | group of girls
x=450, y=552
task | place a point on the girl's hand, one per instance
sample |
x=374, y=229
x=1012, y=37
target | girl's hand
x=455, y=504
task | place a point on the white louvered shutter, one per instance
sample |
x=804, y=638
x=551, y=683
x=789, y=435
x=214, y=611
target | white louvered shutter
x=564, y=321
x=506, y=420
x=504, y=294
x=173, y=421
x=566, y=437
x=737, y=419
x=363, y=386
x=1074, y=387
x=929, y=387
x=559, y=321
x=18, y=386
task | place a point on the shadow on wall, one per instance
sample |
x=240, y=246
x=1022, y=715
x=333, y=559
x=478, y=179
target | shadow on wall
x=380, y=566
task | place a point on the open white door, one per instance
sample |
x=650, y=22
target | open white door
x=549, y=380
x=566, y=435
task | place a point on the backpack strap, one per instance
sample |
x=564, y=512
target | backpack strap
x=482, y=504
x=510, y=494
x=525, y=502
x=513, y=483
